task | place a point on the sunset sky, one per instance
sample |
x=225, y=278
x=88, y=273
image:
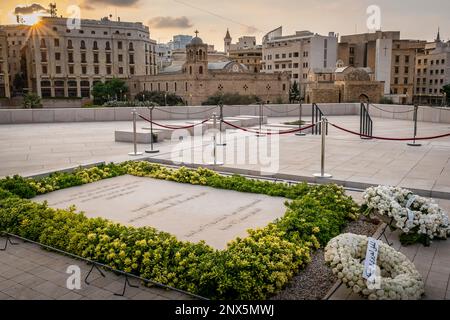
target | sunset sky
x=415, y=19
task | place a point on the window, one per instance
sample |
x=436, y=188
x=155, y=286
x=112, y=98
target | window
x=44, y=69
x=56, y=42
x=95, y=57
x=283, y=66
x=83, y=57
x=83, y=45
x=108, y=70
x=283, y=56
x=395, y=91
x=277, y=66
x=131, y=47
x=131, y=70
x=295, y=65
x=107, y=46
x=43, y=56
x=131, y=59
x=397, y=59
x=58, y=69
x=284, y=87
x=200, y=70
x=43, y=45
x=120, y=70
x=295, y=76
x=406, y=69
x=96, y=70
x=69, y=44
x=395, y=80
x=71, y=69
x=405, y=80
x=406, y=59
x=120, y=57
x=352, y=50
x=83, y=69
x=396, y=70
x=57, y=56
x=108, y=58
x=277, y=56
x=296, y=54
x=119, y=45
x=95, y=45
x=419, y=61
x=351, y=61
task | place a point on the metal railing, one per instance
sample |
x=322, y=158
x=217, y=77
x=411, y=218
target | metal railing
x=365, y=122
x=317, y=116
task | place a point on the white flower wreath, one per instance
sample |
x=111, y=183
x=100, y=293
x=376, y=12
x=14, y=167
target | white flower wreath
x=409, y=213
x=396, y=279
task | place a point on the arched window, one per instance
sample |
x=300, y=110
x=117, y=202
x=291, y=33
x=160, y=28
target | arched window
x=83, y=44
x=69, y=44
x=95, y=45
x=108, y=47
x=43, y=45
x=190, y=70
x=200, y=70
x=200, y=54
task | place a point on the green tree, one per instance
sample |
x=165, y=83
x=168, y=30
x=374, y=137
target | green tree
x=31, y=101
x=160, y=98
x=231, y=99
x=294, y=93
x=110, y=89
x=18, y=82
x=446, y=90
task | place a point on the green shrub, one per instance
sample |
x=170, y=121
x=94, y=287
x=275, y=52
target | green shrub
x=255, y=267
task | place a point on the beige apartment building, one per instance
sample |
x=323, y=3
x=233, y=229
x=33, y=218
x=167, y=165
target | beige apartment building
x=245, y=51
x=59, y=61
x=432, y=72
x=4, y=74
x=198, y=75
x=392, y=59
x=298, y=54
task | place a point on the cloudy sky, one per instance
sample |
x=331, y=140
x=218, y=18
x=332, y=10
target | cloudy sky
x=416, y=19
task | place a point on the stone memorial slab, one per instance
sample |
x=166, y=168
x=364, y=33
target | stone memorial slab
x=191, y=213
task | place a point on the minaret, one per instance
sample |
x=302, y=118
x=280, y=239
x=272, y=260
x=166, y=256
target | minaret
x=227, y=41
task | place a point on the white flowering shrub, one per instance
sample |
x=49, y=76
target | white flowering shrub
x=396, y=277
x=416, y=216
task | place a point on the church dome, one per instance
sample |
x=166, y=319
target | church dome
x=196, y=41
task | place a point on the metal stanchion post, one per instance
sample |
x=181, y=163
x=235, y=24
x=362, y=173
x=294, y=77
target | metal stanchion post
x=215, y=162
x=260, y=134
x=414, y=144
x=151, y=132
x=135, y=153
x=222, y=141
x=300, y=133
x=322, y=173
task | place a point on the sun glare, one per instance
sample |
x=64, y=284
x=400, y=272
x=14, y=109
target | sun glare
x=32, y=19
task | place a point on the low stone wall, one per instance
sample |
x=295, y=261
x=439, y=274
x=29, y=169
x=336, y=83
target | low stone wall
x=58, y=115
x=13, y=116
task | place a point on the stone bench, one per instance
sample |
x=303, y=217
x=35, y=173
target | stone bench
x=142, y=136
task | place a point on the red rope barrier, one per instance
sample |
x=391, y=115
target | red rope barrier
x=269, y=133
x=390, y=139
x=171, y=127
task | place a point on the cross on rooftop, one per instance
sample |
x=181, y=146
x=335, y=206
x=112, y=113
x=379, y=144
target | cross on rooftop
x=196, y=33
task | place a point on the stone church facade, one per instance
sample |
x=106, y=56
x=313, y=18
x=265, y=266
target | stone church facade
x=199, y=77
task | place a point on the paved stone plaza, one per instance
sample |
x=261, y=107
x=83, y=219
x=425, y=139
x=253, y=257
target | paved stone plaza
x=191, y=213
x=29, y=273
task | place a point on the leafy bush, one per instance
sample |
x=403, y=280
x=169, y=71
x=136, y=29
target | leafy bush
x=160, y=98
x=31, y=101
x=111, y=89
x=231, y=99
x=251, y=268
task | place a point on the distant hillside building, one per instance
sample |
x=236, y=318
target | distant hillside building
x=198, y=75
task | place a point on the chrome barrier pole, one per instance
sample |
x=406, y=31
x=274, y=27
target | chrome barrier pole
x=260, y=134
x=300, y=133
x=135, y=153
x=414, y=144
x=215, y=162
x=151, y=133
x=222, y=141
x=322, y=173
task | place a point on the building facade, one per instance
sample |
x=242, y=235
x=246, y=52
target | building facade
x=4, y=74
x=245, y=51
x=433, y=72
x=343, y=84
x=200, y=76
x=391, y=58
x=58, y=61
x=297, y=54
